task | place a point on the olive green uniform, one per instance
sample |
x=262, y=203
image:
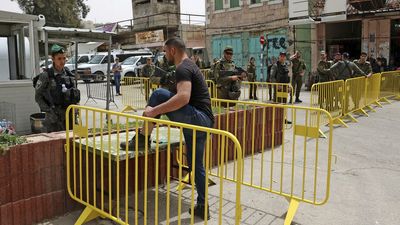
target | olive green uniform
x=365, y=67
x=226, y=87
x=251, y=76
x=280, y=74
x=52, y=100
x=323, y=71
x=298, y=68
x=148, y=71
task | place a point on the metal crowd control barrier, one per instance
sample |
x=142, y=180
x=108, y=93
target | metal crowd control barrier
x=212, y=88
x=135, y=93
x=295, y=163
x=267, y=92
x=206, y=73
x=133, y=185
x=390, y=86
x=98, y=91
x=354, y=99
x=372, y=91
x=330, y=97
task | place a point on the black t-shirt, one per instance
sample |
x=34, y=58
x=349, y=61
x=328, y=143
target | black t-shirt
x=199, y=97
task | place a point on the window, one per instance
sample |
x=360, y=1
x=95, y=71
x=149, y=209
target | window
x=219, y=4
x=234, y=3
x=83, y=59
x=255, y=1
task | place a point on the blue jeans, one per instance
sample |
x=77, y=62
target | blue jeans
x=117, y=79
x=190, y=115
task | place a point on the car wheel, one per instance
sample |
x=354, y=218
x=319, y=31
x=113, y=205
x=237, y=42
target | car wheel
x=99, y=76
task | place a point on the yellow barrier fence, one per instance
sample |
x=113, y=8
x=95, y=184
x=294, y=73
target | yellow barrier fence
x=354, y=99
x=294, y=163
x=372, y=91
x=390, y=86
x=330, y=97
x=135, y=93
x=206, y=73
x=133, y=185
x=267, y=92
x=212, y=88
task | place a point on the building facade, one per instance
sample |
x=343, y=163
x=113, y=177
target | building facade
x=375, y=31
x=240, y=23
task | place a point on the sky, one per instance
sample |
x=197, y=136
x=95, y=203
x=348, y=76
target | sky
x=104, y=11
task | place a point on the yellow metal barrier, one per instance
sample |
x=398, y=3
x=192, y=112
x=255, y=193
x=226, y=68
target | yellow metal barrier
x=390, y=86
x=295, y=163
x=133, y=185
x=354, y=99
x=372, y=91
x=135, y=93
x=212, y=88
x=206, y=73
x=330, y=97
x=267, y=92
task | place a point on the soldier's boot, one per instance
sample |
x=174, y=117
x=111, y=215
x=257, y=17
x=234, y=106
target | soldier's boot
x=141, y=142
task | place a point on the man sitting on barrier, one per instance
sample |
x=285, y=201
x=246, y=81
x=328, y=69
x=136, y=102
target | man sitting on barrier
x=189, y=103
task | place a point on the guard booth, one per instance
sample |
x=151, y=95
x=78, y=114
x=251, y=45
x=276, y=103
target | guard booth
x=19, y=62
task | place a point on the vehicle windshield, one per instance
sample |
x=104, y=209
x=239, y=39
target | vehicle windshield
x=131, y=60
x=71, y=60
x=96, y=59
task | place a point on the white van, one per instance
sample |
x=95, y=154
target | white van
x=96, y=68
x=82, y=58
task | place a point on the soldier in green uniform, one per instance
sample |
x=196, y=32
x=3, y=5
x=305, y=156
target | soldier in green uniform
x=298, y=70
x=280, y=74
x=228, y=76
x=55, y=90
x=344, y=70
x=251, y=71
x=363, y=64
x=148, y=71
x=324, y=75
x=323, y=66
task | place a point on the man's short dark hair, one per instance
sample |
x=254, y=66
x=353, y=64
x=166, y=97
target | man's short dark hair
x=177, y=43
x=346, y=55
x=364, y=53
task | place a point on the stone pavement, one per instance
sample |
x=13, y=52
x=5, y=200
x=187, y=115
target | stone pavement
x=365, y=188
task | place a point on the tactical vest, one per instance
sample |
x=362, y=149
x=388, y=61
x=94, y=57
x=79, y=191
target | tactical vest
x=282, y=75
x=232, y=90
x=60, y=98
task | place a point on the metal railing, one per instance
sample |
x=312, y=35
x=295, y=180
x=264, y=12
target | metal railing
x=133, y=185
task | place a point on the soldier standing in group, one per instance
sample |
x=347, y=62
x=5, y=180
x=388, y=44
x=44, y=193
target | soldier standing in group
x=323, y=66
x=363, y=64
x=344, y=70
x=280, y=74
x=298, y=70
x=251, y=71
x=148, y=71
x=324, y=75
x=55, y=90
x=211, y=76
x=228, y=77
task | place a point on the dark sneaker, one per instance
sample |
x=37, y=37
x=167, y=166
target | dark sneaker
x=298, y=100
x=251, y=97
x=288, y=122
x=199, y=212
x=255, y=98
x=132, y=143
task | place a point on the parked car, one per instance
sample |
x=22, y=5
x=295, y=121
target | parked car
x=96, y=68
x=132, y=65
x=82, y=58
